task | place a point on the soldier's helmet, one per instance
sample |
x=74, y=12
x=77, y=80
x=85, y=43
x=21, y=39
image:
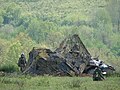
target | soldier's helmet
x=22, y=55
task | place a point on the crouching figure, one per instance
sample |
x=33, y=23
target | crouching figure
x=97, y=75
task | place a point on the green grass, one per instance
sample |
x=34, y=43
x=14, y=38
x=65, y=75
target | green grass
x=22, y=82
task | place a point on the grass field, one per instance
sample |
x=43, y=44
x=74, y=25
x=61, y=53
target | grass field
x=22, y=82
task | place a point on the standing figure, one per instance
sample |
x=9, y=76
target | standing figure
x=97, y=75
x=22, y=62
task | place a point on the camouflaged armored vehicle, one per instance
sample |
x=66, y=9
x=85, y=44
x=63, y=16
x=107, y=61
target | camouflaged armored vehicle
x=71, y=58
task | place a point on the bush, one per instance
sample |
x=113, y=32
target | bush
x=8, y=68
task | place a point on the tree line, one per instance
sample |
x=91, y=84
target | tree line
x=45, y=23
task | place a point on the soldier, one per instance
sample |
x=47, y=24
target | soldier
x=22, y=62
x=97, y=75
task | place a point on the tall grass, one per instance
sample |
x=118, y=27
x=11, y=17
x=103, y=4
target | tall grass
x=26, y=82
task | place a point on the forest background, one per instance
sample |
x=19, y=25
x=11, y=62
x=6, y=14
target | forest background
x=25, y=24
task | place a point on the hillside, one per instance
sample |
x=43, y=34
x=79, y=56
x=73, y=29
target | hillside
x=45, y=23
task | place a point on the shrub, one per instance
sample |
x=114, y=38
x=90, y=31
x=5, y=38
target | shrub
x=8, y=68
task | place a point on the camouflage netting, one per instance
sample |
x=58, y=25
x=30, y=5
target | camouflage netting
x=70, y=58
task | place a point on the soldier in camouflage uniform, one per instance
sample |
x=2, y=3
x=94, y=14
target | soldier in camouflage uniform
x=22, y=62
x=97, y=75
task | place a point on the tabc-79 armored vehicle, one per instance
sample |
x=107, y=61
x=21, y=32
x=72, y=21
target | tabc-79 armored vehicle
x=70, y=58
